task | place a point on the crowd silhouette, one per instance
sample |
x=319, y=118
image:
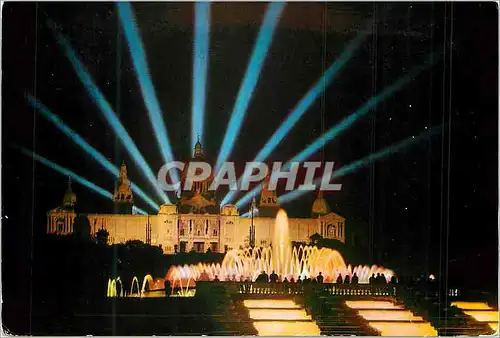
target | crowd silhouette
x=377, y=284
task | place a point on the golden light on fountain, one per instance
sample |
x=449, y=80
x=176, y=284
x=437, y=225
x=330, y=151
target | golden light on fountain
x=281, y=257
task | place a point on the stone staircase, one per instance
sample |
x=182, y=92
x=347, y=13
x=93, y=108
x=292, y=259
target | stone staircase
x=448, y=320
x=228, y=315
x=390, y=318
x=336, y=319
x=280, y=316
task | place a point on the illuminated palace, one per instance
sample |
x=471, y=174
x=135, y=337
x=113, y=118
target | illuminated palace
x=196, y=222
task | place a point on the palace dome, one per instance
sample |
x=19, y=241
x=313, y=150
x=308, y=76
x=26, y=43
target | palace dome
x=69, y=199
x=320, y=206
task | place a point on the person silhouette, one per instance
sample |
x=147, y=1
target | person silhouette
x=355, y=279
x=347, y=279
x=339, y=279
x=371, y=280
x=216, y=279
x=319, y=279
x=263, y=278
x=273, y=277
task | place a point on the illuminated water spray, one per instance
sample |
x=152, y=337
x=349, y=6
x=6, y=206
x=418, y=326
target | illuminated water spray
x=304, y=261
x=112, y=290
x=135, y=282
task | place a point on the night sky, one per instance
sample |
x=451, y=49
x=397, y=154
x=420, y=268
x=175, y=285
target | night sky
x=439, y=196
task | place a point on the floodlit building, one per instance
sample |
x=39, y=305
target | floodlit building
x=196, y=222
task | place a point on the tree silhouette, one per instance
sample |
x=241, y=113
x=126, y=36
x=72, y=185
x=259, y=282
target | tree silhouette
x=102, y=236
x=315, y=238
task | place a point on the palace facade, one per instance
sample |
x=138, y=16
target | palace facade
x=196, y=222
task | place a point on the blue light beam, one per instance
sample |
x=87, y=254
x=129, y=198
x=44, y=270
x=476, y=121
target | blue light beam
x=248, y=196
x=99, y=99
x=359, y=113
x=343, y=125
x=306, y=102
x=250, y=79
x=96, y=155
x=66, y=172
x=139, y=60
x=200, y=70
x=303, y=105
x=357, y=165
x=249, y=213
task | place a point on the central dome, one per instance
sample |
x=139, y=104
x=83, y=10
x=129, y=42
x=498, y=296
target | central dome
x=320, y=206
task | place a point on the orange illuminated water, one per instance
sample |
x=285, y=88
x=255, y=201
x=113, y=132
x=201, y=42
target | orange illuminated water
x=303, y=261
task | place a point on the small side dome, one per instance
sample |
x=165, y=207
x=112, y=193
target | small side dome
x=198, y=149
x=320, y=206
x=229, y=210
x=69, y=199
x=167, y=209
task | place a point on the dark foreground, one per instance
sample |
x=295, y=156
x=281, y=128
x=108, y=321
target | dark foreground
x=217, y=309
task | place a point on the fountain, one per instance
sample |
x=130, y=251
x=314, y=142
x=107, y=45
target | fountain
x=135, y=282
x=304, y=261
x=148, y=280
x=112, y=291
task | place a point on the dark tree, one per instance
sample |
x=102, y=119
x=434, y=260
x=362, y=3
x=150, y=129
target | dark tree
x=315, y=238
x=102, y=236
